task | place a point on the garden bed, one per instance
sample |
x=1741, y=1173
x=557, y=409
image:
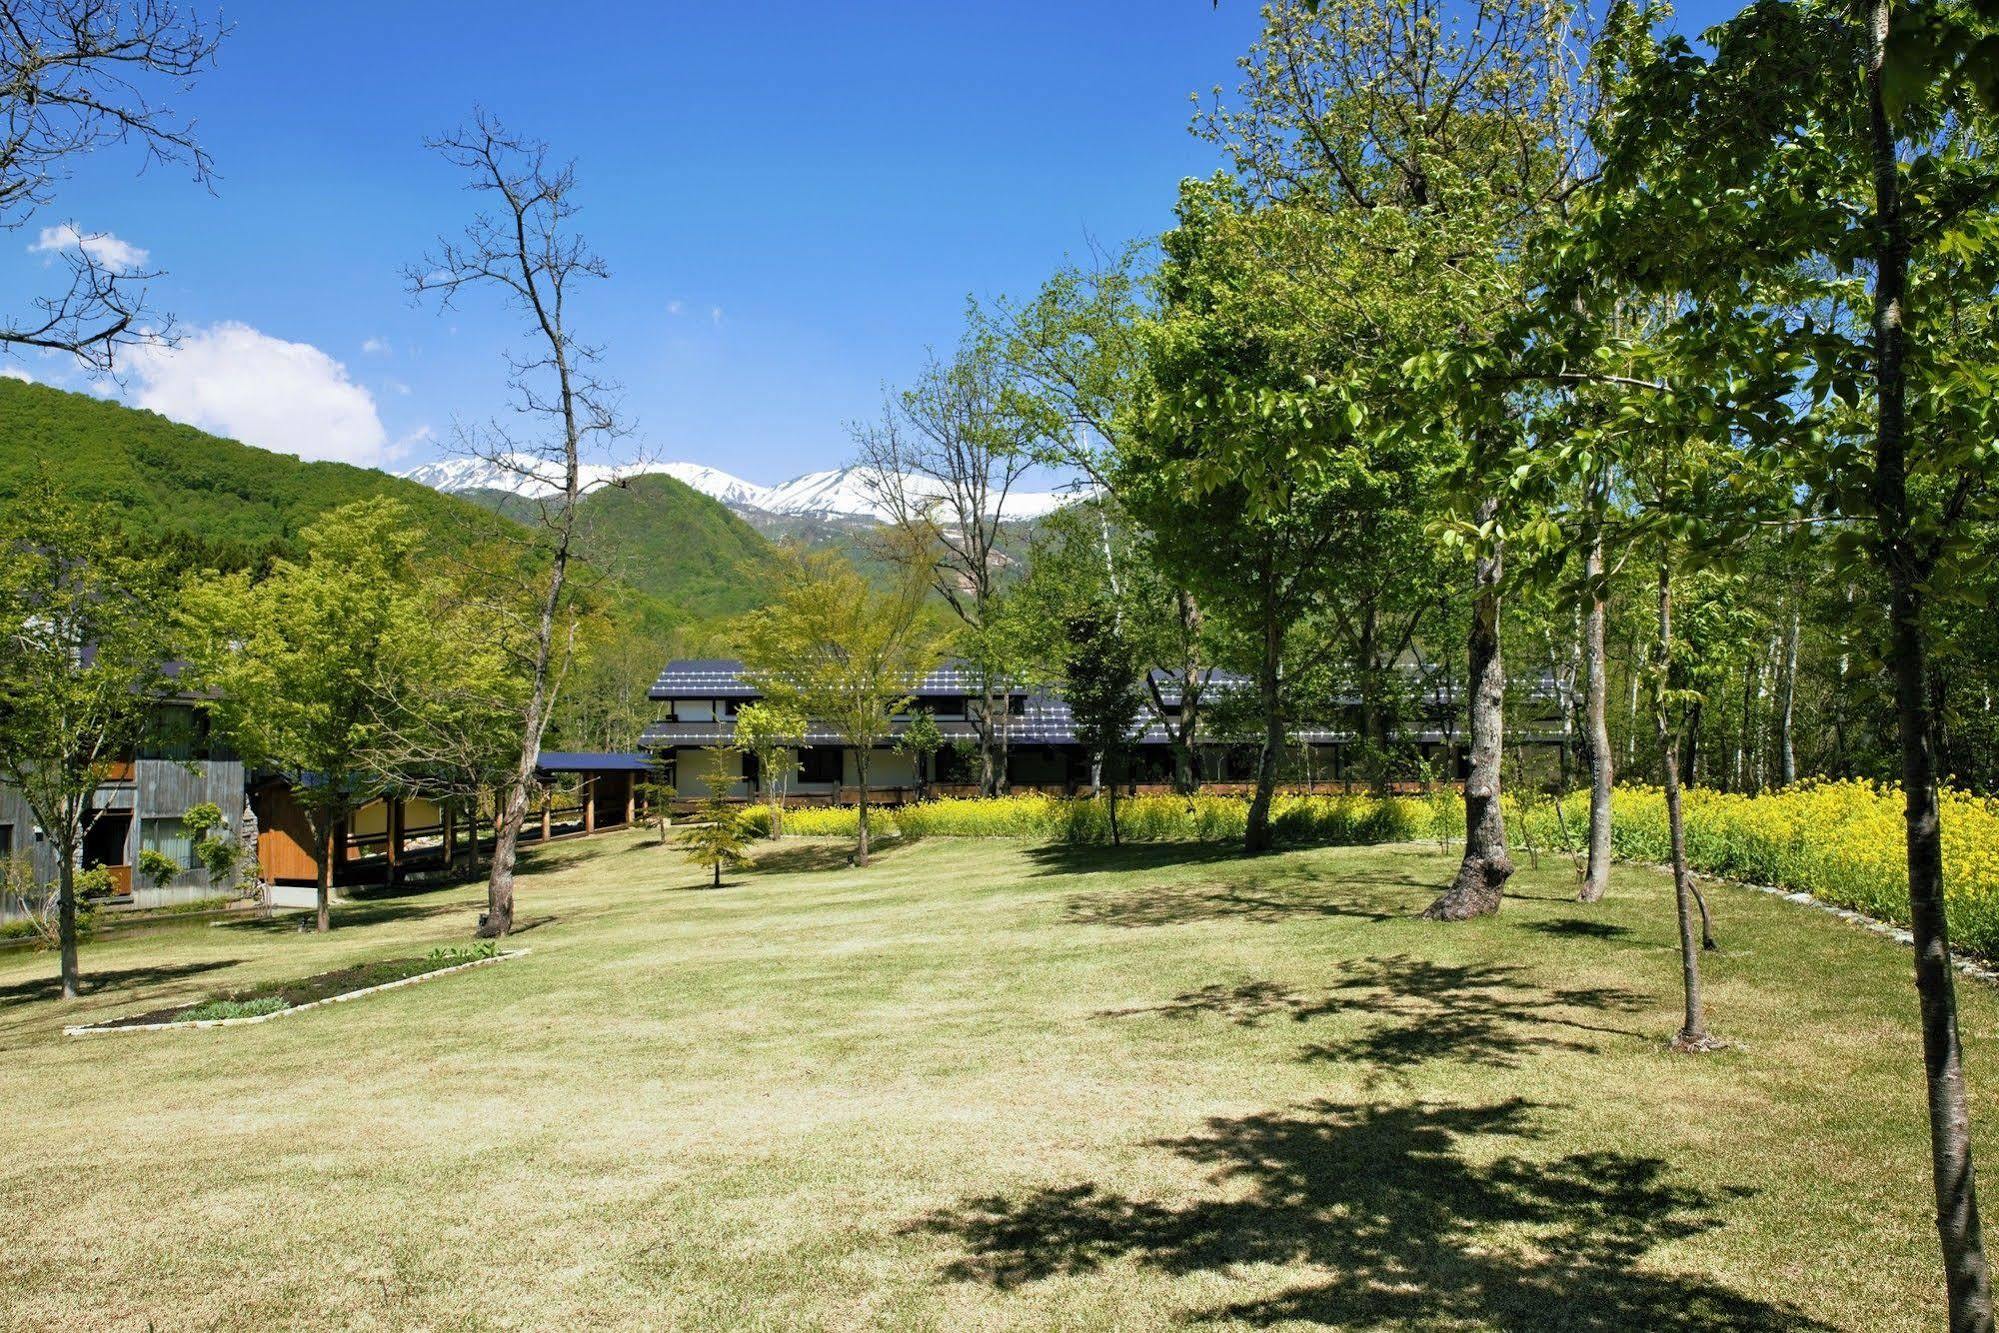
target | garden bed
x=263, y=1003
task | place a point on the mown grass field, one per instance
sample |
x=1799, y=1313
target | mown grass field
x=988, y=1085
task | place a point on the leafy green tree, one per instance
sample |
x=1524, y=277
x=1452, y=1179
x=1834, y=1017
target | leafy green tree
x=1251, y=498
x=1101, y=684
x=717, y=837
x=445, y=698
x=1425, y=152
x=770, y=734
x=844, y=653
x=1092, y=554
x=921, y=739
x=300, y=663
x=942, y=461
x=1821, y=188
x=85, y=629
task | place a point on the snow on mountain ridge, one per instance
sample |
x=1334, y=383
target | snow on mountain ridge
x=836, y=493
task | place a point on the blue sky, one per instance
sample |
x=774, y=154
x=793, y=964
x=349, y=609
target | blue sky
x=795, y=200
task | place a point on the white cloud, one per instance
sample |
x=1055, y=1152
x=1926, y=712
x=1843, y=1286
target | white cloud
x=715, y=313
x=415, y=439
x=675, y=307
x=12, y=372
x=286, y=396
x=116, y=255
x=397, y=387
x=375, y=346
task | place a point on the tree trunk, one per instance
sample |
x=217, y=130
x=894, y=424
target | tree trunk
x=500, y=879
x=1482, y=874
x=66, y=923
x=323, y=878
x=1114, y=832
x=1693, y=1035
x=1787, y=746
x=718, y=874
x=1256, y=832
x=1953, y=1176
x=1596, y=877
x=1374, y=726
x=861, y=772
x=1690, y=745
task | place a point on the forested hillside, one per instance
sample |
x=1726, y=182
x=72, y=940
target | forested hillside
x=230, y=503
x=664, y=538
x=674, y=557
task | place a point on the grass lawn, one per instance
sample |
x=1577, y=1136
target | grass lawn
x=985, y=1085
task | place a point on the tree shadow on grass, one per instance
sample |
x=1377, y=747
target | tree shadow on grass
x=1073, y=858
x=801, y=858
x=1489, y=1014
x=1417, y=1010
x=347, y=916
x=1578, y=928
x=94, y=982
x=1418, y=1232
x=1264, y=901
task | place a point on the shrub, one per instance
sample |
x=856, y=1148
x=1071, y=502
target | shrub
x=824, y=821
x=214, y=1009
x=1035, y=817
x=454, y=954
x=158, y=868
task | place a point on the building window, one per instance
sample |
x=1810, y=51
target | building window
x=6, y=841
x=819, y=763
x=170, y=838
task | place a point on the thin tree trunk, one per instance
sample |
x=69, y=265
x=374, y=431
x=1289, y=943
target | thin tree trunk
x=1955, y=1181
x=1693, y=1035
x=1114, y=832
x=1787, y=745
x=1690, y=745
x=1374, y=726
x=323, y=878
x=1596, y=877
x=66, y=924
x=1186, y=767
x=861, y=772
x=1482, y=874
x=1256, y=832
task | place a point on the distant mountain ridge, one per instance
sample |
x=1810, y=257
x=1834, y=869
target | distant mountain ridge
x=835, y=496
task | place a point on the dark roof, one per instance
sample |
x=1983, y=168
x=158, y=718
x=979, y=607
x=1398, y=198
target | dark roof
x=580, y=761
x=722, y=678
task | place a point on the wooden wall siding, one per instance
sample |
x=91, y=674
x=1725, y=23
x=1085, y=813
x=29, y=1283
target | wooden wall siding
x=167, y=790
x=284, y=838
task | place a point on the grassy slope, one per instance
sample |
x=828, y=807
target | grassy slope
x=167, y=477
x=987, y=1085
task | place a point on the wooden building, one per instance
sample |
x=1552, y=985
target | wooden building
x=699, y=700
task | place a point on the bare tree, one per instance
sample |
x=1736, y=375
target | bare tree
x=942, y=461
x=522, y=243
x=78, y=76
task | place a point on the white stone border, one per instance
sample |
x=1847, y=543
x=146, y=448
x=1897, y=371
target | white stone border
x=1976, y=970
x=113, y=1029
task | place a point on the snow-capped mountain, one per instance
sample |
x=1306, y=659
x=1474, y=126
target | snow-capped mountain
x=840, y=494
